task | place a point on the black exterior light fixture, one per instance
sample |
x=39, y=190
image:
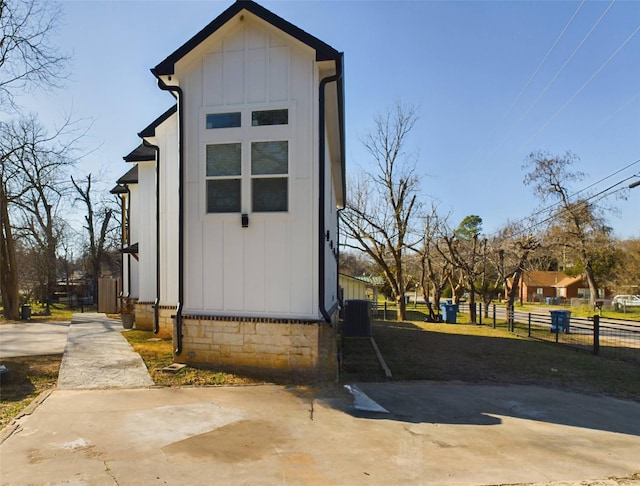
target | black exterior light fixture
x=245, y=220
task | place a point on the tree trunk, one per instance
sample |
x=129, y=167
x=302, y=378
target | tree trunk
x=401, y=308
x=593, y=286
x=8, y=267
x=472, y=306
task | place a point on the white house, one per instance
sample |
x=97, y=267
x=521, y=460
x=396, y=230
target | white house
x=235, y=211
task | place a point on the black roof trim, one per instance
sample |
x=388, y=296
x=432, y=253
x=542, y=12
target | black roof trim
x=142, y=153
x=150, y=131
x=119, y=189
x=324, y=52
x=131, y=176
x=133, y=249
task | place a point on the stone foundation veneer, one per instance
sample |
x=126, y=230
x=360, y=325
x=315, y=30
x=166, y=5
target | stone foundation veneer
x=263, y=345
x=144, y=318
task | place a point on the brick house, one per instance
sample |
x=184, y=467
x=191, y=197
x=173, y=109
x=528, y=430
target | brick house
x=537, y=286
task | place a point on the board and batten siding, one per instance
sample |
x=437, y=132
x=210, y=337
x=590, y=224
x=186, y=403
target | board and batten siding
x=146, y=231
x=167, y=140
x=270, y=267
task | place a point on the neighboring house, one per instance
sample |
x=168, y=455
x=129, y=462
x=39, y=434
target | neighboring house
x=360, y=288
x=235, y=208
x=537, y=286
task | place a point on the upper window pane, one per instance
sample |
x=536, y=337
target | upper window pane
x=223, y=120
x=269, y=117
x=269, y=157
x=223, y=160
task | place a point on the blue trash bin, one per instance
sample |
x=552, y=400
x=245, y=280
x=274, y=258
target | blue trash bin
x=449, y=313
x=560, y=321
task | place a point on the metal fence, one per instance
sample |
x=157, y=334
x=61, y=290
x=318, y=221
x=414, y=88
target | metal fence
x=616, y=338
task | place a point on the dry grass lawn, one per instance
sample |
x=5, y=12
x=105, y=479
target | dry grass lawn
x=481, y=354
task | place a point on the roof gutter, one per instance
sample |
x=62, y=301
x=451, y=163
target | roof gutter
x=321, y=204
x=177, y=332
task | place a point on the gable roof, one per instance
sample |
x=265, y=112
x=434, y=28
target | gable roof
x=324, y=52
x=150, y=131
x=568, y=281
x=539, y=278
x=119, y=189
x=142, y=153
x=130, y=177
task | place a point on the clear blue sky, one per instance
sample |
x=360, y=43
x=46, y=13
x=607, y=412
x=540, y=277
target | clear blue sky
x=469, y=65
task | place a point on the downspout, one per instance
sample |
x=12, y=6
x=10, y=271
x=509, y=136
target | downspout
x=156, y=311
x=177, y=332
x=321, y=204
x=128, y=241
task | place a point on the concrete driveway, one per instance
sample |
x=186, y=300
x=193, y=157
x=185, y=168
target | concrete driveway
x=433, y=433
x=33, y=339
x=442, y=434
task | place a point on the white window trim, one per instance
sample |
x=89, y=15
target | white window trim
x=245, y=134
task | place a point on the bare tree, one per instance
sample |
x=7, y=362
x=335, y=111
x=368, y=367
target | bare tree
x=98, y=225
x=580, y=226
x=28, y=58
x=34, y=183
x=378, y=218
x=462, y=250
x=434, y=269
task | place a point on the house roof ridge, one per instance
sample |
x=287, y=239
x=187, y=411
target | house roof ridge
x=324, y=51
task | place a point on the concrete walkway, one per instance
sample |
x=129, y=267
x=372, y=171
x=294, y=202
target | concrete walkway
x=98, y=356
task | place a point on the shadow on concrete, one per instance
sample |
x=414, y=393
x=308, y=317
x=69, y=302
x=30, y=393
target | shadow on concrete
x=457, y=378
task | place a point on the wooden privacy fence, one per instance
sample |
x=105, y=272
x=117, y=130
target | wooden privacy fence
x=108, y=291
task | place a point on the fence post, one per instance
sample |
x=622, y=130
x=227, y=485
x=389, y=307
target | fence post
x=596, y=334
x=480, y=313
x=384, y=312
x=494, y=316
x=529, y=326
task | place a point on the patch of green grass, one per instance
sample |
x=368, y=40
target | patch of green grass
x=157, y=354
x=28, y=377
x=59, y=312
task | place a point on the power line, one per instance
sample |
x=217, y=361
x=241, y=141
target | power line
x=583, y=86
x=550, y=83
x=534, y=74
x=552, y=209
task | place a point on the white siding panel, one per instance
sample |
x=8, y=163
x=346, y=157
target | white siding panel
x=233, y=267
x=213, y=254
x=193, y=236
x=302, y=244
x=255, y=268
x=235, y=40
x=278, y=74
x=302, y=92
x=278, y=265
x=256, y=39
x=233, y=77
x=147, y=231
x=212, y=79
x=256, y=69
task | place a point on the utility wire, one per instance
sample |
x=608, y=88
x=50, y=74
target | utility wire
x=534, y=74
x=581, y=204
x=550, y=83
x=555, y=206
x=582, y=87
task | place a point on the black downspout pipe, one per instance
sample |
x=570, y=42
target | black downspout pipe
x=156, y=311
x=178, y=322
x=321, y=204
x=128, y=241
